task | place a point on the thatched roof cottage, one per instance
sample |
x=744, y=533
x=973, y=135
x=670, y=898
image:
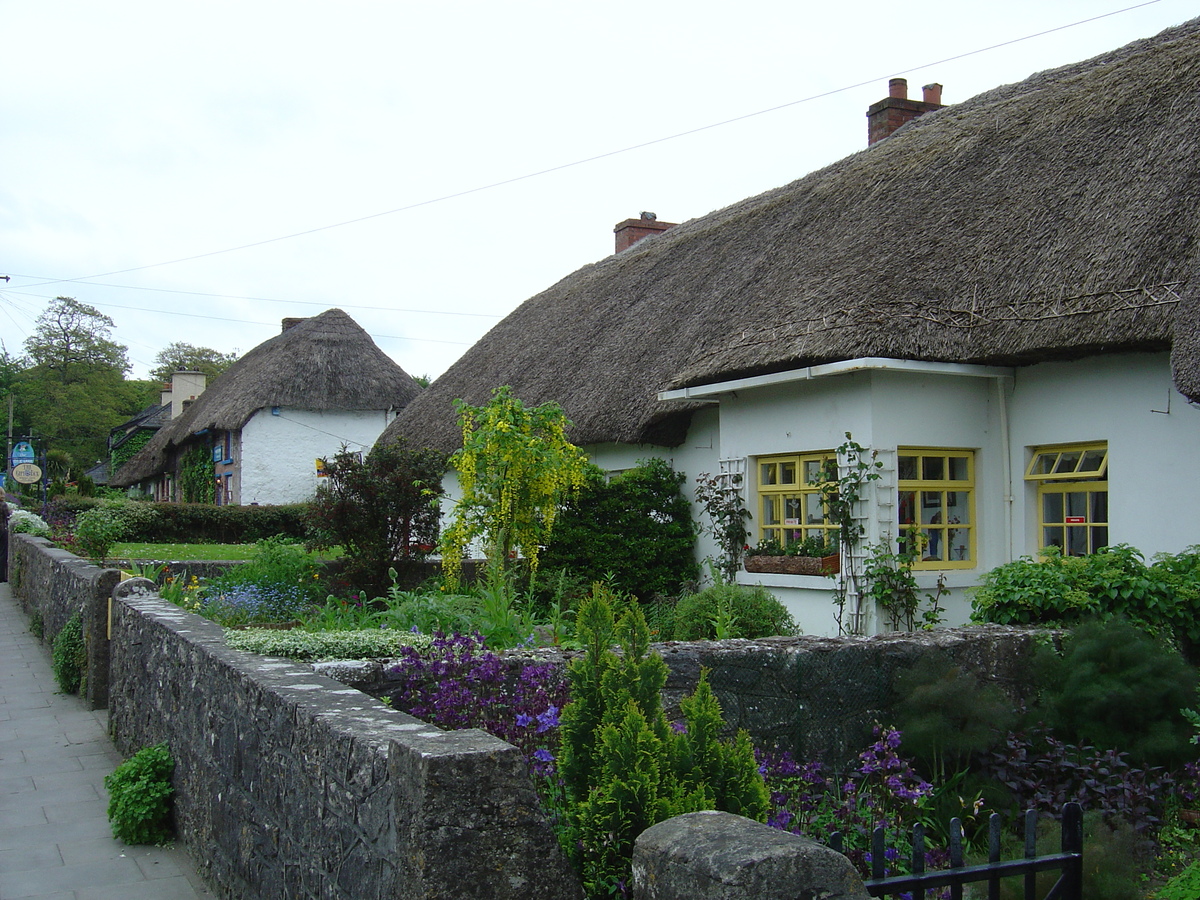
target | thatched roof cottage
x=1000, y=299
x=319, y=385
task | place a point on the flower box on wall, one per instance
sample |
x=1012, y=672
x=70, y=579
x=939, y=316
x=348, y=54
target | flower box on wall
x=794, y=565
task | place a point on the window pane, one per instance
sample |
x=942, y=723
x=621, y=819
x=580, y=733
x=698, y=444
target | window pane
x=1067, y=462
x=931, y=507
x=770, y=511
x=933, y=468
x=1099, y=538
x=1099, y=506
x=1052, y=537
x=1077, y=540
x=1052, y=510
x=906, y=468
x=907, y=506
x=813, y=512
x=959, y=470
x=1044, y=463
x=787, y=473
x=1092, y=460
x=958, y=508
x=935, y=545
x=812, y=471
x=768, y=474
x=791, y=511
x=959, y=542
x=1077, y=506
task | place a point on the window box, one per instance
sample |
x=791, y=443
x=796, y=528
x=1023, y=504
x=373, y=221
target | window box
x=794, y=565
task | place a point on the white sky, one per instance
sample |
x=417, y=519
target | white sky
x=136, y=134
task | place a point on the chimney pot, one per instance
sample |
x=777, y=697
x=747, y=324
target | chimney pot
x=649, y=216
x=631, y=231
x=898, y=87
x=932, y=93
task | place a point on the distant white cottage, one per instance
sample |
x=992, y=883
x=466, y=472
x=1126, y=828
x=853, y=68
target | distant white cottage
x=261, y=426
x=1001, y=299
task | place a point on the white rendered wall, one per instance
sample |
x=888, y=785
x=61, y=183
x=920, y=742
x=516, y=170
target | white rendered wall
x=279, y=452
x=1153, y=433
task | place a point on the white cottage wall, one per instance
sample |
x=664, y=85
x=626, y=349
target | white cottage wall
x=280, y=445
x=1128, y=400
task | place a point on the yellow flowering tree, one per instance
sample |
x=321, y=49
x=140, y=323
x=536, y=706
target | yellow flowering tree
x=515, y=469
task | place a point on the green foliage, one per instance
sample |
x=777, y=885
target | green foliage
x=22, y=521
x=180, y=356
x=196, y=522
x=85, y=486
x=515, y=469
x=623, y=768
x=37, y=625
x=96, y=531
x=139, y=796
x=1115, y=687
x=738, y=610
x=69, y=656
x=276, y=562
x=888, y=577
x=125, y=451
x=813, y=546
x=947, y=715
x=384, y=510
x=1111, y=870
x=634, y=530
x=1184, y=886
x=721, y=497
x=315, y=646
x=196, y=480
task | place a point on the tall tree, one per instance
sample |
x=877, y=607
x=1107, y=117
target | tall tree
x=73, y=339
x=180, y=356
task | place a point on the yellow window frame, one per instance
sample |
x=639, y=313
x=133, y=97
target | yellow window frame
x=1072, y=496
x=935, y=489
x=789, y=497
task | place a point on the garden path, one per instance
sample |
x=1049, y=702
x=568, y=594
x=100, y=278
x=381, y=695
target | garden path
x=55, y=841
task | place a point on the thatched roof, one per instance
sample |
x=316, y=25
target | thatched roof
x=1053, y=218
x=326, y=362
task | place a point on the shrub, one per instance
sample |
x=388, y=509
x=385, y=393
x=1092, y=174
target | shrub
x=634, y=530
x=315, y=646
x=96, y=531
x=1118, y=688
x=623, y=767
x=383, y=510
x=24, y=522
x=731, y=610
x=139, y=796
x=69, y=656
x=1184, y=886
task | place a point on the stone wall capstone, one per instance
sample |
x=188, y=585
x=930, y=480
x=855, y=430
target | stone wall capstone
x=289, y=784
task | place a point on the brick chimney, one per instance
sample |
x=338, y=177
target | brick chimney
x=182, y=389
x=631, y=231
x=896, y=109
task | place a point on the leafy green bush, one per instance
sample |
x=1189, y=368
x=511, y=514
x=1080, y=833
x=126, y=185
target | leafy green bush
x=69, y=656
x=623, y=767
x=96, y=531
x=152, y=522
x=22, y=521
x=1116, y=687
x=139, y=796
x=635, y=530
x=731, y=610
x=1184, y=886
x=315, y=646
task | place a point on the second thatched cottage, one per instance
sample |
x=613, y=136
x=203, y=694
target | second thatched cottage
x=259, y=429
x=1001, y=299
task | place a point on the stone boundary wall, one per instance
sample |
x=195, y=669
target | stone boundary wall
x=288, y=784
x=54, y=584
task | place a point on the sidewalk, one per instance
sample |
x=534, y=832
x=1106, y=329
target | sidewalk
x=55, y=841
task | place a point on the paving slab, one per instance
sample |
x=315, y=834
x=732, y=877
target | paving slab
x=55, y=840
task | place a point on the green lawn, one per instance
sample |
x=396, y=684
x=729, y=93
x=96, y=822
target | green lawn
x=174, y=552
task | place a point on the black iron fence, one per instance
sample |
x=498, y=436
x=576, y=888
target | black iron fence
x=949, y=882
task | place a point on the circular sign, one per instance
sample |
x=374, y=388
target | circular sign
x=27, y=473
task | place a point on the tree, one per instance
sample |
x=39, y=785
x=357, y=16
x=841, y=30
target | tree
x=515, y=468
x=72, y=339
x=383, y=510
x=181, y=356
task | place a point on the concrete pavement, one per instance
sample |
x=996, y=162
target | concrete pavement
x=55, y=840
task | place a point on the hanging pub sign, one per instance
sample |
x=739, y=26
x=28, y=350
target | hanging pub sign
x=26, y=473
x=22, y=452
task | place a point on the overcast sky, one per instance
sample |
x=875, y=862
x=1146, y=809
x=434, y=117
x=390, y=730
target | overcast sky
x=187, y=168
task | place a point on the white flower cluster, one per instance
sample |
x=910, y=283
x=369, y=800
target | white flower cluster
x=317, y=646
x=23, y=521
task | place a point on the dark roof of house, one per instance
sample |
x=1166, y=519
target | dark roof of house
x=326, y=362
x=1052, y=218
x=152, y=417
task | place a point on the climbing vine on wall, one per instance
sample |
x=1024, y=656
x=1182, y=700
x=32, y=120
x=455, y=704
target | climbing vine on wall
x=124, y=453
x=196, y=475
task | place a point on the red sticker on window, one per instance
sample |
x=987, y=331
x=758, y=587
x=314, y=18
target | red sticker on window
x=1076, y=520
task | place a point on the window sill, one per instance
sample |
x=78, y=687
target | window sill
x=773, y=579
